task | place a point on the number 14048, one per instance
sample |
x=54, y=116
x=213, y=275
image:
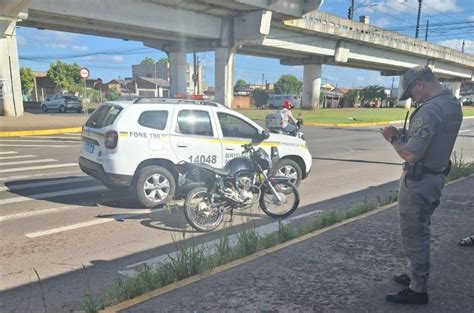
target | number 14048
x=210, y=159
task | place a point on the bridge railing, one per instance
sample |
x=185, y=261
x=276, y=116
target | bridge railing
x=330, y=25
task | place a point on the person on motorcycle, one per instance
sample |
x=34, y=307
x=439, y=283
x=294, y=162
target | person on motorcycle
x=288, y=122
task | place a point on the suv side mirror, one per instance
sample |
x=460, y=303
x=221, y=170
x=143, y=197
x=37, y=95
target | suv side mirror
x=264, y=135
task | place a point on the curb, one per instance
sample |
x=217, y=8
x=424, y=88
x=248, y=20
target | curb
x=196, y=278
x=40, y=132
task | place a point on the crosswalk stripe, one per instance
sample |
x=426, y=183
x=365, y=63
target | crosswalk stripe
x=53, y=194
x=13, y=178
x=8, y=152
x=20, y=169
x=37, y=212
x=17, y=157
x=88, y=223
x=27, y=162
x=47, y=183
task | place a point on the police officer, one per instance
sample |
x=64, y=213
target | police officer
x=426, y=149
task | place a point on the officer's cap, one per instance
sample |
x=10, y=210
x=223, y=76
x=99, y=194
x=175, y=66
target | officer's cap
x=410, y=77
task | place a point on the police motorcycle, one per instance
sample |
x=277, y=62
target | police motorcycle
x=242, y=182
x=273, y=124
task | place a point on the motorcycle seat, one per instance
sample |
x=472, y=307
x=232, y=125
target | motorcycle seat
x=219, y=171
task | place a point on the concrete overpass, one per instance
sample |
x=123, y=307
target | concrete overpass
x=290, y=30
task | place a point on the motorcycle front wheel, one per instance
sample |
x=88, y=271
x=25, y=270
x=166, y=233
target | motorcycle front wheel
x=281, y=204
x=199, y=211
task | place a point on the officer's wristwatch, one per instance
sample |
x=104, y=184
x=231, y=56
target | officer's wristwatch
x=393, y=138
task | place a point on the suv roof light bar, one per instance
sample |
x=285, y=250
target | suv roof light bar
x=175, y=101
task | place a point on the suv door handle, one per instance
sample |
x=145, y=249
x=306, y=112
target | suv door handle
x=182, y=145
x=229, y=148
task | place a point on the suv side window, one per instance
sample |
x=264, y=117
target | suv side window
x=153, y=119
x=194, y=122
x=233, y=126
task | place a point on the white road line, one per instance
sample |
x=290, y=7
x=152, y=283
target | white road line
x=72, y=138
x=89, y=223
x=465, y=130
x=42, y=146
x=37, y=212
x=19, y=169
x=17, y=157
x=8, y=152
x=45, y=195
x=13, y=178
x=27, y=162
x=210, y=246
x=35, y=140
x=59, y=181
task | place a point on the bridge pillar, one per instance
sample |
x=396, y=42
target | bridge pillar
x=11, y=102
x=224, y=73
x=311, y=86
x=178, y=69
x=456, y=88
x=406, y=103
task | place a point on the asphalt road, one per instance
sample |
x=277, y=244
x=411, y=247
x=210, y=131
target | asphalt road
x=79, y=237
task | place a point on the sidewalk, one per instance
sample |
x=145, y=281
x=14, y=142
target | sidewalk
x=345, y=269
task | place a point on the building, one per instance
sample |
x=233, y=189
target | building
x=148, y=87
x=467, y=92
x=161, y=71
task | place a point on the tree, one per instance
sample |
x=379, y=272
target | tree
x=113, y=94
x=163, y=61
x=65, y=76
x=371, y=93
x=27, y=80
x=352, y=97
x=147, y=60
x=239, y=84
x=288, y=84
x=260, y=96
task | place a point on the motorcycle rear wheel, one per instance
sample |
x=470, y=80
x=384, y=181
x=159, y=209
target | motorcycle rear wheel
x=198, y=210
x=283, y=207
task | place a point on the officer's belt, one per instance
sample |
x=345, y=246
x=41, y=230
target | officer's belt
x=429, y=171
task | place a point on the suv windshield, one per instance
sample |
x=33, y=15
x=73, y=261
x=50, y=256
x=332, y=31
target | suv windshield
x=103, y=116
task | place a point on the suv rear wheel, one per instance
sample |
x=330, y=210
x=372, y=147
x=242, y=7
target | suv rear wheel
x=44, y=108
x=62, y=109
x=155, y=185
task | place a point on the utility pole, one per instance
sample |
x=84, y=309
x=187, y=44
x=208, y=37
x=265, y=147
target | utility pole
x=418, y=18
x=351, y=10
x=426, y=32
x=391, y=90
x=194, y=76
x=463, y=43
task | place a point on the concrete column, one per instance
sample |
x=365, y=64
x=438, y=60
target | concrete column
x=177, y=72
x=456, y=88
x=407, y=103
x=311, y=85
x=11, y=101
x=224, y=67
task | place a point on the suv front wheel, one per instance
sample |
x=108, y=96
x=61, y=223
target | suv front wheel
x=290, y=169
x=155, y=185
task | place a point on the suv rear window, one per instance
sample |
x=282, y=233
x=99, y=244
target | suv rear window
x=103, y=116
x=153, y=119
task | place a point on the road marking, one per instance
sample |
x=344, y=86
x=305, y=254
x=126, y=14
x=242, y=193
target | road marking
x=27, y=162
x=20, y=169
x=210, y=246
x=47, y=183
x=8, y=152
x=42, y=146
x=89, y=223
x=17, y=157
x=465, y=130
x=37, y=212
x=39, y=175
x=71, y=138
x=53, y=194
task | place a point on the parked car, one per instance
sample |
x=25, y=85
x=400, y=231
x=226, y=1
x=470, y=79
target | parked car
x=62, y=103
x=138, y=144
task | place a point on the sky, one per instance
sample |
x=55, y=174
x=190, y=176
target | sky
x=451, y=23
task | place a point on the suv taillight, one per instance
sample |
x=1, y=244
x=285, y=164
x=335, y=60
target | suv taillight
x=111, y=139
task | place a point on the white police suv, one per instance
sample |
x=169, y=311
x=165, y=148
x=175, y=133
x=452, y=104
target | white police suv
x=137, y=144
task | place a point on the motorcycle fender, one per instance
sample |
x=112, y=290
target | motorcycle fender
x=279, y=179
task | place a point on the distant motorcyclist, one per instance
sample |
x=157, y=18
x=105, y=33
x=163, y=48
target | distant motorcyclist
x=288, y=122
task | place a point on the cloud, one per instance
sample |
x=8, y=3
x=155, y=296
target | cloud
x=55, y=45
x=403, y=7
x=116, y=58
x=471, y=18
x=80, y=48
x=382, y=22
x=456, y=44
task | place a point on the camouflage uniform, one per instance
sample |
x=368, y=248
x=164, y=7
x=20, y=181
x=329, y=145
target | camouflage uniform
x=432, y=133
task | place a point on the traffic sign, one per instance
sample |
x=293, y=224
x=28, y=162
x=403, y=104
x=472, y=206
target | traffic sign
x=84, y=72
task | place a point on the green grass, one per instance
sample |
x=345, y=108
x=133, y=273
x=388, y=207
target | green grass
x=345, y=115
